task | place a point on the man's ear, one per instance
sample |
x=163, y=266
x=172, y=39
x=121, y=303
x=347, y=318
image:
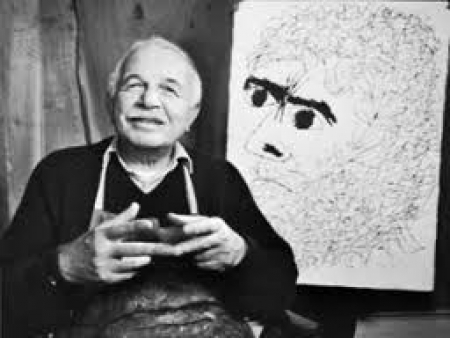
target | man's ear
x=110, y=106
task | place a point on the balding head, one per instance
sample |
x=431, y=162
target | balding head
x=154, y=94
x=156, y=42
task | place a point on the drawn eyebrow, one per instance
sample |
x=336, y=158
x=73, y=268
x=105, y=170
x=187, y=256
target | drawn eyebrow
x=277, y=91
x=281, y=95
x=321, y=106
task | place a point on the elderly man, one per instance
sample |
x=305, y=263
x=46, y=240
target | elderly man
x=137, y=212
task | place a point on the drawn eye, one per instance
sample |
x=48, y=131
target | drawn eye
x=259, y=96
x=308, y=119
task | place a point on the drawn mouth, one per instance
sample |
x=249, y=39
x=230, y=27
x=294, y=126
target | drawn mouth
x=268, y=151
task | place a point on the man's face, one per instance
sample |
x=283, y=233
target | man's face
x=157, y=97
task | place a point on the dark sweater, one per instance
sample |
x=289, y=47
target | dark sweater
x=57, y=206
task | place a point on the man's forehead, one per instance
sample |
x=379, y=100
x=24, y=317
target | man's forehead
x=167, y=58
x=160, y=60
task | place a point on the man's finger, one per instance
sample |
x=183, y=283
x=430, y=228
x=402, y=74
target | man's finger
x=179, y=219
x=146, y=230
x=209, y=265
x=202, y=227
x=195, y=244
x=130, y=229
x=126, y=264
x=128, y=214
x=130, y=249
x=116, y=277
x=207, y=255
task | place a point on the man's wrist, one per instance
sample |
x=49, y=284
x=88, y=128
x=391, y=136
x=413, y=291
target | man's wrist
x=242, y=252
x=52, y=273
x=64, y=265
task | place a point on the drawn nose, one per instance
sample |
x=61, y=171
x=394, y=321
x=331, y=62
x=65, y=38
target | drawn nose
x=265, y=142
x=272, y=150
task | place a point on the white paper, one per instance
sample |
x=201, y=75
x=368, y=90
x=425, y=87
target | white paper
x=335, y=121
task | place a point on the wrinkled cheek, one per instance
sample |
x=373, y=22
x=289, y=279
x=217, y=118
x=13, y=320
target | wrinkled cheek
x=117, y=115
x=120, y=117
x=120, y=124
x=181, y=124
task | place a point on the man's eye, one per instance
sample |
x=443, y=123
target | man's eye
x=133, y=86
x=169, y=90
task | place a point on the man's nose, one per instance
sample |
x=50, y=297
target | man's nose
x=150, y=98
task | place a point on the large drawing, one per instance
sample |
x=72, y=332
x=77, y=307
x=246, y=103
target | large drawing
x=336, y=114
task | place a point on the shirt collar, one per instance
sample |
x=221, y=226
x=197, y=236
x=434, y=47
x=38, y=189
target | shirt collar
x=180, y=154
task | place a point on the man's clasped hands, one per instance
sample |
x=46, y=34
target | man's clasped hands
x=117, y=246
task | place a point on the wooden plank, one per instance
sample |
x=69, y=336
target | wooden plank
x=42, y=105
x=18, y=48
x=5, y=34
x=23, y=132
x=61, y=120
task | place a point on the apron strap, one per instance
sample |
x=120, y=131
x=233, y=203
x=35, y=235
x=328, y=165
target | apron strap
x=99, y=203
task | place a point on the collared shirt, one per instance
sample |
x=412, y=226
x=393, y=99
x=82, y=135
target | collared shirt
x=180, y=155
x=147, y=180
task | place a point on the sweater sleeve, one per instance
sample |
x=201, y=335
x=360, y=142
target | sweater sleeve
x=35, y=297
x=263, y=284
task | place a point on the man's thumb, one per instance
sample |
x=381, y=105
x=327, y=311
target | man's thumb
x=129, y=213
x=181, y=219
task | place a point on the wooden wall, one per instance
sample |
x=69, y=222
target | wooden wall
x=40, y=104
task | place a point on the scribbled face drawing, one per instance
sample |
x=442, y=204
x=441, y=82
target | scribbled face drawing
x=340, y=141
x=301, y=124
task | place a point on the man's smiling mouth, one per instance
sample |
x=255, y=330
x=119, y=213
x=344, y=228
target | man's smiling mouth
x=146, y=120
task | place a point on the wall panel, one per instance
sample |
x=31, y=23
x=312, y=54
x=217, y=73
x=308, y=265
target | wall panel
x=40, y=103
x=23, y=104
x=62, y=123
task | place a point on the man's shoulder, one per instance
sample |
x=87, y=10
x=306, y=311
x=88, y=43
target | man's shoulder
x=216, y=167
x=204, y=160
x=74, y=157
